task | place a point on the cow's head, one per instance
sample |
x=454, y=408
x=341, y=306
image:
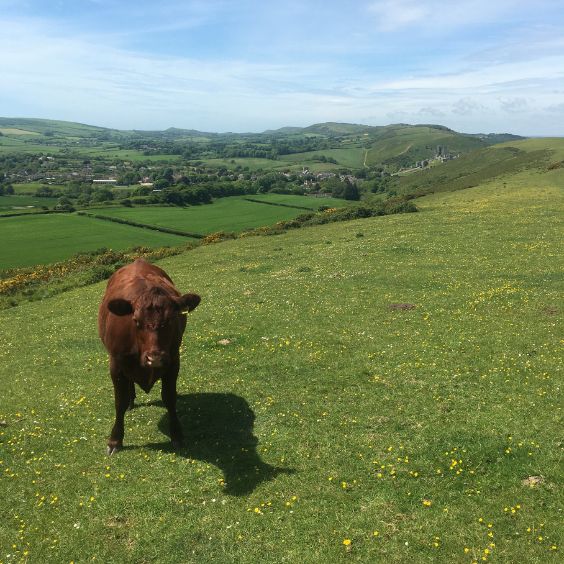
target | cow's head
x=156, y=317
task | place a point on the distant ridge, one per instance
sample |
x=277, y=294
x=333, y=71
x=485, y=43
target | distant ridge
x=60, y=127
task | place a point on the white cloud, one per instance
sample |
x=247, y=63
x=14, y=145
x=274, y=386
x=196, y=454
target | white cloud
x=446, y=18
x=467, y=107
x=47, y=71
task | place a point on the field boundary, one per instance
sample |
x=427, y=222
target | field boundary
x=278, y=204
x=30, y=213
x=143, y=225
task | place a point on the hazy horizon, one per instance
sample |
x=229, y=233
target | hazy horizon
x=248, y=66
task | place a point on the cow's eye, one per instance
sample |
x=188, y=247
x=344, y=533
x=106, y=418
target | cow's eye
x=137, y=323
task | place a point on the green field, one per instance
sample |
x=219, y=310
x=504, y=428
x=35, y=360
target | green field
x=43, y=239
x=16, y=131
x=32, y=187
x=225, y=214
x=383, y=390
x=113, y=152
x=350, y=157
x=18, y=203
x=305, y=201
x=251, y=163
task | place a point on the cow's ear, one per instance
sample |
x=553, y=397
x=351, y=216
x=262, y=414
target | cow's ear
x=120, y=307
x=188, y=302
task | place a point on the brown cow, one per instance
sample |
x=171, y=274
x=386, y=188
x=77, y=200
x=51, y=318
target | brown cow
x=141, y=321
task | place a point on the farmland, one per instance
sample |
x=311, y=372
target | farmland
x=227, y=214
x=382, y=389
x=43, y=239
x=16, y=203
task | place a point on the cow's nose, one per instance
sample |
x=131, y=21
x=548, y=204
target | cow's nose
x=154, y=358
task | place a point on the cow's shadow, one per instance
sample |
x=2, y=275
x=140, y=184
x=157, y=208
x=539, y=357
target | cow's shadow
x=218, y=429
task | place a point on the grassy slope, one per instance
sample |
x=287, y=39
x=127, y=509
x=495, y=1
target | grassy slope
x=63, y=128
x=43, y=239
x=417, y=424
x=484, y=165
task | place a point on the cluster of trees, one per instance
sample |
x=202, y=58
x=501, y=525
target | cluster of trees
x=338, y=188
x=236, y=147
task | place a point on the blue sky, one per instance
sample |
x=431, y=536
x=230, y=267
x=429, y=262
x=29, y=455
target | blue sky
x=224, y=65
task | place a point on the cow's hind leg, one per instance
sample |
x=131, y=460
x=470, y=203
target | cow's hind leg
x=168, y=395
x=122, y=401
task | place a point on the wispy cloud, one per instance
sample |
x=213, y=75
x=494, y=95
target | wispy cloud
x=227, y=65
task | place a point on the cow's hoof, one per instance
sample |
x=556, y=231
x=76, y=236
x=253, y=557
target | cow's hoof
x=177, y=443
x=131, y=405
x=113, y=448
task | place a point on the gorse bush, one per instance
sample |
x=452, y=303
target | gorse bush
x=399, y=204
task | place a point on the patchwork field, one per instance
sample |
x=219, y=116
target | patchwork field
x=42, y=239
x=234, y=213
x=226, y=214
x=386, y=389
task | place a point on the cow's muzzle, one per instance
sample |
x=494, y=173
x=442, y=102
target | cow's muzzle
x=154, y=359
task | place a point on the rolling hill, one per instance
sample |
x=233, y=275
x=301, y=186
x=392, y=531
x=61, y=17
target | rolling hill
x=538, y=156
x=353, y=146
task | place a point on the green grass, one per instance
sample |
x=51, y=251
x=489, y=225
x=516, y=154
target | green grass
x=225, y=214
x=16, y=131
x=350, y=157
x=252, y=163
x=113, y=152
x=15, y=203
x=484, y=165
x=328, y=415
x=43, y=239
x=32, y=187
x=305, y=201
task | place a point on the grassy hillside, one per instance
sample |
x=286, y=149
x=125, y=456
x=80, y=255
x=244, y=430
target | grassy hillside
x=404, y=145
x=353, y=146
x=379, y=390
x=477, y=167
x=55, y=127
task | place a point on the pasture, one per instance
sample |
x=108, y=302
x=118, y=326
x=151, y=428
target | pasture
x=310, y=202
x=24, y=202
x=16, y=131
x=42, y=239
x=233, y=213
x=386, y=389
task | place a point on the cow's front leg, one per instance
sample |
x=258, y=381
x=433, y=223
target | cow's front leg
x=168, y=395
x=122, y=401
x=131, y=394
